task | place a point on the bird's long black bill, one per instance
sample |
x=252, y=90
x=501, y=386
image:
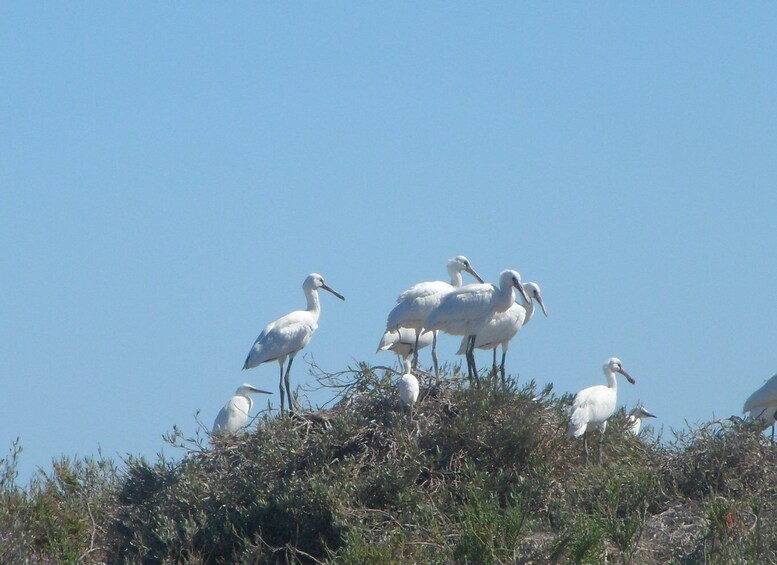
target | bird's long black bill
x=628, y=377
x=472, y=272
x=542, y=305
x=519, y=286
x=337, y=294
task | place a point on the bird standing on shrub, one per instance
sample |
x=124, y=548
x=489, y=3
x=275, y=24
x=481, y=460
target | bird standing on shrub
x=636, y=416
x=287, y=335
x=593, y=405
x=466, y=310
x=762, y=404
x=408, y=388
x=503, y=327
x=403, y=342
x=414, y=305
x=233, y=417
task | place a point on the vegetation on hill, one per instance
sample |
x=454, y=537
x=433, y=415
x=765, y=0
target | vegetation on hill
x=479, y=475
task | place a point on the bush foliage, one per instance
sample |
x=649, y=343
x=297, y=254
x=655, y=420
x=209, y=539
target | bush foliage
x=477, y=475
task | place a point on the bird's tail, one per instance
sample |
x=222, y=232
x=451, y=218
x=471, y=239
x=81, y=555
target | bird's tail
x=386, y=341
x=577, y=424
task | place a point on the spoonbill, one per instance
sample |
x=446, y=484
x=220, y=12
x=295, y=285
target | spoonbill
x=415, y=304
x=403, y=342
x=762, y=404
x=502, y=327
x=593, y=405
x=466, y=310
x=287, y=335
x=408, y=388
x=233, y=417
x=638, y=413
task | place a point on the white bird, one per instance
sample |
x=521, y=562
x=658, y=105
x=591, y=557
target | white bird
x=415, y=304
x=466, y=310
x=593, y=405
x=408, y=388
x=287, y=335
x=403, y=343
x=502, y=327
x=634, y=421
x=233, y=417
x=762, y=404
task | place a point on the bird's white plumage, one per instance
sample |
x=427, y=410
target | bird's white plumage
x=402, y=341
x=762, y=404
x=592, y=406
x=763, y=397
x=503, y=326
x=765, y=416
x=232, y=418
x=466, y=310
x=415, y=303
x=408, y=386
x=289, y=334
x=634, y=421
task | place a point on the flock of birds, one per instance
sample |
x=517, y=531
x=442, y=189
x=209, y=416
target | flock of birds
x=487, y=317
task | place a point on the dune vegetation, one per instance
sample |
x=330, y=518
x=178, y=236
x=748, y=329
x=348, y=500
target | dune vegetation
x=478, y=475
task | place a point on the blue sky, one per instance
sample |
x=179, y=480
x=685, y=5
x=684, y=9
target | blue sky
x=172, y=173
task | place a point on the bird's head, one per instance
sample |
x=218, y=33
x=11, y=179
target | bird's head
x=639, y=411
x=461, y=263
x=314, y=281
x=246, y=388
x=533, y=290
x=513, y=278
x=614, y=364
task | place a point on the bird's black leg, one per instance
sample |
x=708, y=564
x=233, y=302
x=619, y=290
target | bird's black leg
x=415, y=349
x=283, y=392
x=434, y=355
x=288, y=384
x=493, y=365
x=471, y=360
x=466, y=356
x=601, y=442
x=502, y=366
x=585, y=447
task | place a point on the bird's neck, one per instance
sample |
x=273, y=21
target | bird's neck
x=313, y=303
x=504, y=298
x=529, y=307
x=250, y=403
x=456, y=279
x=612, y=382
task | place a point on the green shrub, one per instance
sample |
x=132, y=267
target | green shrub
x=479, y=475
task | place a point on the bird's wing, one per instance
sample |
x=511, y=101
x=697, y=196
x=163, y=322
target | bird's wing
x=764, y=396
x=414, y=308
x=422, y=289
x=465, y=303
x=233, y=416
x=586, y=409
x=284, y=336
x=501, y=328
x=389, y=338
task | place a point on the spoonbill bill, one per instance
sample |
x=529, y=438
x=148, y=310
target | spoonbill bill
x=637, y=414
x=593, y=405
x=466, y=310
x=415, y=304
x=762, y=404
x=287, y=335
x=233, y=417
x=408, y=388
x=403, y=342
x=502, y=327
